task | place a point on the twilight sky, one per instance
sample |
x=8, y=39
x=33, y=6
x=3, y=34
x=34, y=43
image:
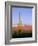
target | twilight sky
x=25, y=15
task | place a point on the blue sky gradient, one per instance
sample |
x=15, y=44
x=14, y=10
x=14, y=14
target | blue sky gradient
x=25, y=15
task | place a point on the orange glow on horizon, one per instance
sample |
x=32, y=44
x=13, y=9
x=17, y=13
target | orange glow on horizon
x=25, y=28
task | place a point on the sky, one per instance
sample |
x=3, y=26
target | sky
x=25, y=15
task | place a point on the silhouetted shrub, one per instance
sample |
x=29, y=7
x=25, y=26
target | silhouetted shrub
x=20, y=34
